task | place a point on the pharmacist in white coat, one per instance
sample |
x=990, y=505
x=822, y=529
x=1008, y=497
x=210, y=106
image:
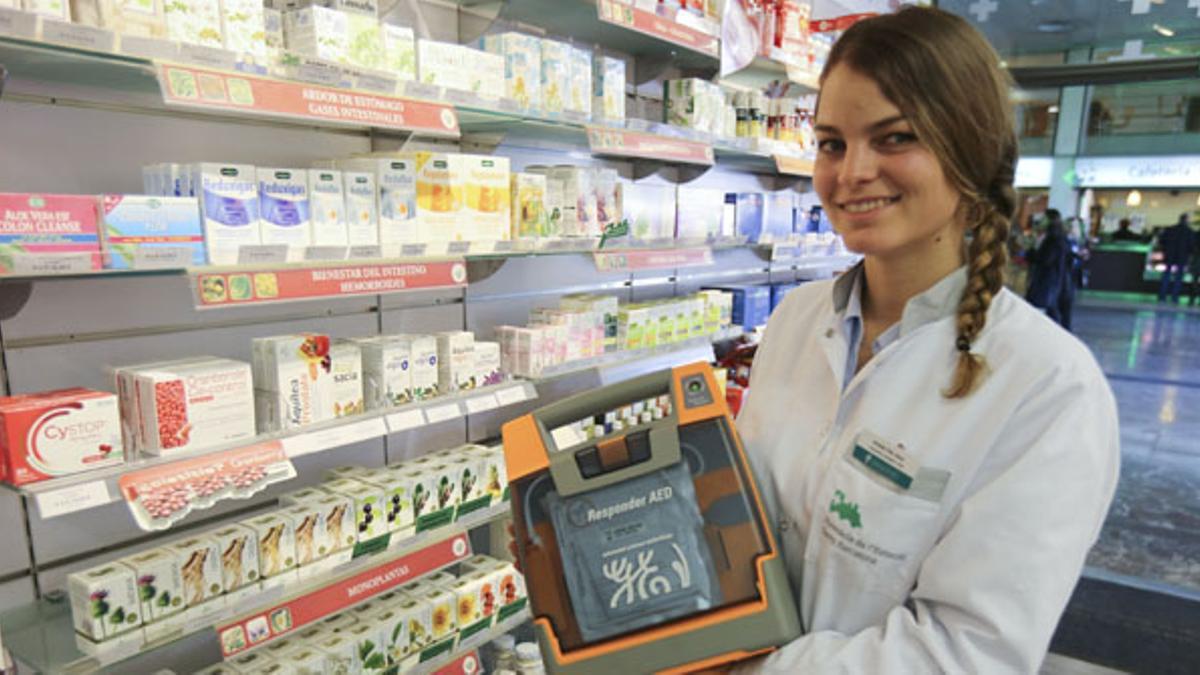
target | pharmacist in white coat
x=938, y=455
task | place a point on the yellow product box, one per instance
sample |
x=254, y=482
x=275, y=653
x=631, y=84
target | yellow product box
x=444, y=619
x=441, y=187
x=528, y=197
x=488, y=212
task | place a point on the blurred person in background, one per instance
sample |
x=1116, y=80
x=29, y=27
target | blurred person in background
x=1050, y=270
x=1123, y=232
x=1176, y=242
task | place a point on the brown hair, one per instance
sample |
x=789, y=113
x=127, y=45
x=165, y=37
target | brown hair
x=947, y=81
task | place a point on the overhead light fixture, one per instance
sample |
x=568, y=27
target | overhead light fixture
x=1111, y=72
x=1163, y=30
x=1053, y=110
x=1134, y=198
x=1054, y=27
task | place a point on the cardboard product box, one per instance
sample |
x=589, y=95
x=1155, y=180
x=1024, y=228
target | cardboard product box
x=488, y=210
x=424, y=491
x=397, y=499
x=252, y=662
x=318, y=32
x=608, y=203
x=394, y=627
x=607, y=307
x=556, y=204
x=341, y=654
x=522, y=66
x=749, y=214
x=307, y=660
x=243, y=25
x=556, y=75
x=608, y=88
x=579, y=98
x=751, y=305
x=779, y=212
x=369, y=641
x=295, y=374
x=520, y=350
x=238, y=546
x=339, y=512
x=418, y=615
x=347, y=379
x=441, y=187
x=276, y=544
x=698, y=213
x=369, y=519
x=195, y=22
x=104, y=601
x=475, y=598
x=194, y=405
x=284, y=209
x=440, y=64
x=528, y=199
x=578, y=200
x=456, y=362
x=138, y=18
x=400, y=51
x=362, y=203
x=387, y=373
x=312, y=538
x=444, y=617
x=327, y=207
x=365, y=42
x=396, y=183
x=650, y=210
x=273, y=32
x=133, y=227
x=200, y=568
x=487, y=364
x=159, y=582
x=229, y=205
x=36, y=224
x=424, y=364
x=58, y=433
x=484, y=73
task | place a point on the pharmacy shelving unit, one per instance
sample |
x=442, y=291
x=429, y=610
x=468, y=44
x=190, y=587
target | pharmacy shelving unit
x=41, y=635
x=83, y=111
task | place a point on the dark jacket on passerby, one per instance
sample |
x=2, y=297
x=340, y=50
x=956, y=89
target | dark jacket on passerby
x=1049, y=270
x=1177, y=242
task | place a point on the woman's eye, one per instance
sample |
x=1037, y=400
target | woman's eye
x=899, y=138
x=830, y=145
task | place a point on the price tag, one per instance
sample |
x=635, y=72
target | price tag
x=149, y=48
x=258, y=254
x=316, y=74
x=403, y=421
x=379, y=83
x=482, y=404
x=162, y=257
x=325, y=253
x=78, y=35
x=54, y=263
x=575, y=117
x=504, y=246
x=461, y=97
x=422, y=90
x=357, y=252
x=443, y=413
x=511, y=395
x=334, y=437
x=508, y=105
x=75, y=498
x=412, y=249
x=18, y=24
x=212, y=57
x=458, y=247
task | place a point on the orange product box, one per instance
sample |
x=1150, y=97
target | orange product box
x=58, y=433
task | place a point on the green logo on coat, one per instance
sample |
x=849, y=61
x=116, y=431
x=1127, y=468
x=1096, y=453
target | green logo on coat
x=847, y=511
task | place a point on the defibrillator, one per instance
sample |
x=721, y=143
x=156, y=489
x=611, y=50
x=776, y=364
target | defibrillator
x=641, y=531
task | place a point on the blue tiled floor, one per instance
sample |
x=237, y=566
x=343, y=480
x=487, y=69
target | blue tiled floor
x=1153, y=363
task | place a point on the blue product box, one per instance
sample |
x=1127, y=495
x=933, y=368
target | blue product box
x=779, y=215
x=780, y=290
x=749, y=215
x=133, y=223
x=751, y=304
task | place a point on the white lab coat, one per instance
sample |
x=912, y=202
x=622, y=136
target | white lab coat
x=973, y=581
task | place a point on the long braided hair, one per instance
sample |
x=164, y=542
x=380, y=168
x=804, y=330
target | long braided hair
x=947, y=81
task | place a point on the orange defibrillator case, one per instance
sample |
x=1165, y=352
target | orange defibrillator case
x=641, y=531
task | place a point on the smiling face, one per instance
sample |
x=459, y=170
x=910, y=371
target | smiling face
x=885, y=192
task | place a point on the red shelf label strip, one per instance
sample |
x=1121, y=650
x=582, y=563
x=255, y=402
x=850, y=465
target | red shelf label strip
x=650, y=259
x=242, y=287
x=627, y=143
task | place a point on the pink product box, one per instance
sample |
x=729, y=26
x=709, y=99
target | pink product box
x=37, y=224
x=193, y=405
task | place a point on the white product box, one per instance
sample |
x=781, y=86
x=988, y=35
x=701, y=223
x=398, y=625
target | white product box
x=467, y=471
x=456, y=363
x=578, y=201
x=522, y=66
x=228, y=196
x=55, y=9
x=424, y=363
x=556, y=75
x=327, y=207
x=340, y=527
x=650, y=210
x=397, y=510
x=244, y=27
x=159, y=581
x=273, y=30
x=424, y=490
x=520, y=350
x=362, y=218
x=279, y=648
x=276, y=544
x=346, y=372
x=239, y=558
x=441, y=64
x=698, y=212
x=104, y=601
x=364, y=40
x=139, y=18
x=580, y=90
x=400, y=51
x=200, y=567
x=312, y=539
x=475, y=598
x=369, y=640
x=528, y=197
x=307, y=661
x=387, y=374
x=476, y=563
x=487, y=364
x=319, y=32
x=488, y=214
x=445, y=479
x=293, y=380
x=368, y=505
x=484, y=72
x=283, y=206
x=393, y=623
x=608, y=93
x=195, y=22
x=441, y=605
x=350, y=471
x=396, y=180
x=341, y=656
x=418, y=615
x=195, y=405
x=301, y=496
x=494, y=470
x=509, y=583
x=608, y=207
x=338, y=622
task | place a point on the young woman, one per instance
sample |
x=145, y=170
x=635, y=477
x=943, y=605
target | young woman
x=939, y=455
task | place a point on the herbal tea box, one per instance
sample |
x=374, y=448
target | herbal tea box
x=200, y=568
x=579, y=98
x=528, y=197
x=195, y=22
x=364, y=40
x=228, y=195
x=424, y=364
x=400, y=51
x=396, y=507
x=441, y=182
x=608, y=94
x=439, y=64
x=608, y=206
x=456, y=364
x=276, y=544
x=194, y=405
x=485, y=73
x=159, y=582
x=369, y=519
x=522, y=66
x=698, y=213
x=486, y=359
x=396, y=182
x=423, y=493
x=444, y=617
x=418, y=616
x=362, y=219
x=104, y=601
x=338, y=512
x=318, y=31
x=283, y=204
x=58, y=433
x=244, y=26
x=37, y=224
x=487, y=198
x=650, y=210
x=238, y=546
x=369, y=640
x=387, y=374
x=135, y=227
x=556, y=75
x=475, y=599
x=346, y=371
x=312, y=538
x=341, y=655
x=293, y=377
x=395, y=630
x=578, y=200
x=327, y=207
